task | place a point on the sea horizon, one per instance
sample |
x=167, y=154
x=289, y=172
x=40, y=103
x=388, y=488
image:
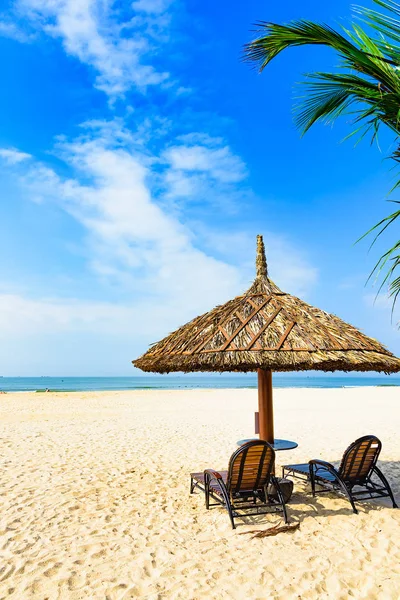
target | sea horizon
x=190, y=381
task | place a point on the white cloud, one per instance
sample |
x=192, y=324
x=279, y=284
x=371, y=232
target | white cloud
x=93, y=32
x=9, y=29
x=134, y=240
x=53, y=336
x=130, y=237
x=383, y=302
x=211, y=157
x=22, y=315
x=150, y=6
x=288, y=266
x=125, y=186
x=13, y=156
x=204, y=170
x=383, y=324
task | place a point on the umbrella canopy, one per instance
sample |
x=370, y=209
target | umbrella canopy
x=268, y=329
x=263, y=330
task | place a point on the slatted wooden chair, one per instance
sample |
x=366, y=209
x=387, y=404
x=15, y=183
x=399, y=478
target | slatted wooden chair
x=248, y=487
x=353, y=477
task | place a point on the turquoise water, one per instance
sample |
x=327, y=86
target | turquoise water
x=174, y=382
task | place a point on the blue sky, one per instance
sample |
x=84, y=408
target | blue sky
x=139, y=157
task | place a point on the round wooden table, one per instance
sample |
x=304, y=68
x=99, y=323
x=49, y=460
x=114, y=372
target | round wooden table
x=277, y=445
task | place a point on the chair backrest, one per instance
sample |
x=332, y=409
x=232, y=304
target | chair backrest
x=359, y=459
x=250, y=467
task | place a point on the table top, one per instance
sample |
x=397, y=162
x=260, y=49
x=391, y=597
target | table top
x=277, y=445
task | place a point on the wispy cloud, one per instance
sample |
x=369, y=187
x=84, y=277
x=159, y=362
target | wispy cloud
x=133, y=239
x=204, y=170
x=10, y=29
x=118, y=45
x=21, y=315
x=155, y=7
x=130, y=236
x=383, y=302
x=288, y=266
x=13, y=156
x=69, y=336
x=208, y=155
x=134, y=188
x=383, y=321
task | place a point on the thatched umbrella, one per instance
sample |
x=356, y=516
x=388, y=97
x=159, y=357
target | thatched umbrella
x=267, y=330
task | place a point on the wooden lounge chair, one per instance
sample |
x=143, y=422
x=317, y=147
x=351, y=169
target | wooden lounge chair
x=248, y=487
x=353, y=477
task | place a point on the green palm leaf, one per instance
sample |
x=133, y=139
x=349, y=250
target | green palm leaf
x=368, y=86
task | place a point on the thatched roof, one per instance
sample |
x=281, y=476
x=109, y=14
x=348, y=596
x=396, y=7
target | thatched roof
x=267, y=328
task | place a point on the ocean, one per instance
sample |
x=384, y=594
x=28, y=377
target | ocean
x=176, y=382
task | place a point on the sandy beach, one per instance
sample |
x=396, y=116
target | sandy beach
x=94, y=498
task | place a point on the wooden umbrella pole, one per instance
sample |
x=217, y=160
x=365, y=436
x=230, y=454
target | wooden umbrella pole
x=265, y=405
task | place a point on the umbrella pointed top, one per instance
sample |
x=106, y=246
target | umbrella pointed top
x=261, y=261
x=262, y=282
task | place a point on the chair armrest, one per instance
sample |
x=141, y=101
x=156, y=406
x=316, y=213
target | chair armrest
x=322, y=463
x=213, y=474
x=317, y=464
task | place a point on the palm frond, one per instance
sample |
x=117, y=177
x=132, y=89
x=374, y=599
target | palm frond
x=330, y=95
x=383, y=225
x=277, y=38
x=387, y=26
x=299, y=33
x=368, y=85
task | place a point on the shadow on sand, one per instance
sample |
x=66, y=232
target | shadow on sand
x=303, y=505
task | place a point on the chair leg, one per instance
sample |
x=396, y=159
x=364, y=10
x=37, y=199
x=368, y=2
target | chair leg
x=344, y=488
x=347, y=492
x=229, y=509
x=192, y=485
x=207, y=494
x=387, y=486
x=227, y=501
x=280, y=496
x=350, y=497
x=312, y=479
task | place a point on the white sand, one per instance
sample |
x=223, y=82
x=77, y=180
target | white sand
x=94, y=498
